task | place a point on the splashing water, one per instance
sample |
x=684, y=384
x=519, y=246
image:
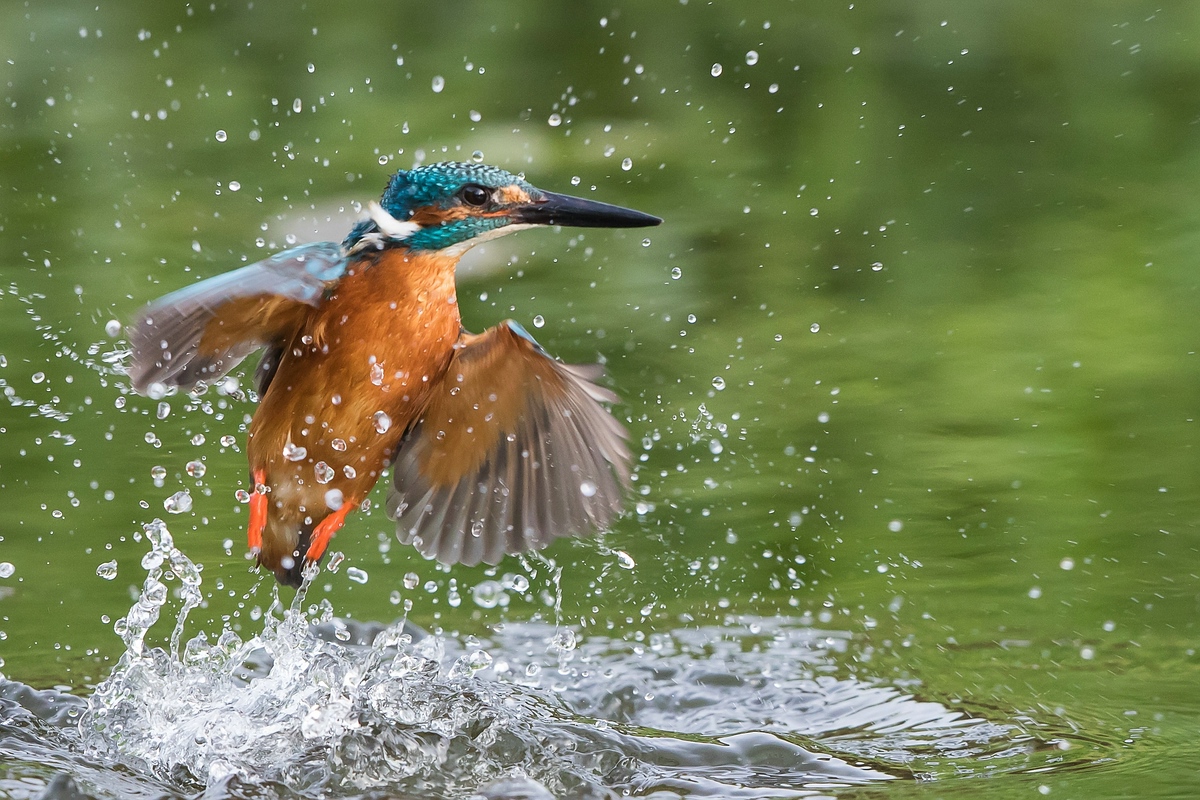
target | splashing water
x=333, y=708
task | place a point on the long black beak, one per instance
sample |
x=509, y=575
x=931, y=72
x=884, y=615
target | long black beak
x=562, y=209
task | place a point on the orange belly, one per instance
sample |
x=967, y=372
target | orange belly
x=356, y=375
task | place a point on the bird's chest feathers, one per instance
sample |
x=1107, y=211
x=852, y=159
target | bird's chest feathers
x=390, y=322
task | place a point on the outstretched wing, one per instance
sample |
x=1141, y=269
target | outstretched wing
x=202, y=331
x=513, y=450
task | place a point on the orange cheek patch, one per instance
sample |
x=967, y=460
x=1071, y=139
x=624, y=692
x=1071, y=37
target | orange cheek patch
x=432, y=215
x=513, y=195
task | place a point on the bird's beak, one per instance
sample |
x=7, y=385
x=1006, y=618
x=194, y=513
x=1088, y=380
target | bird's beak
x=562, y=209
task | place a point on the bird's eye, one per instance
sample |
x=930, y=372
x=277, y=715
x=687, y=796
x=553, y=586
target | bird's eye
x=474, y=195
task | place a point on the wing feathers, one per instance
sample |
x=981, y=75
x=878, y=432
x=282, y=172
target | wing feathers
x=513, y=451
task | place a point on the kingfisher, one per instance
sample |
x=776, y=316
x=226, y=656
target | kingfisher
x=495, y=446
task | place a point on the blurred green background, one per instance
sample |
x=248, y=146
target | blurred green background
x=914, y=354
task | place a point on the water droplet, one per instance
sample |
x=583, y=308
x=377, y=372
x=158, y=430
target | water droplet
x=411, y=580
x=242, y=496
x=773, y=88
x=751, y=57
x=564, y=641
x=488, y=594
x=895, y=526
x=676, y=273
x=718, y=383
x=377, y=374
x=178, y=503
x=627, y=164
x=646, y=242
x=195, y=469
x=293, y=452
x=587, y=489
x=357, y=575
x=715, y=447
x=324, y=473
x=38, y=377
x=297, y=105
x=475, y=116
x=779, y=337
x=158, y=472
x=439, y=83
x=716, y=70
x=383, y=160
x=164, y=410
x=112, y=328
x=312, y=68
x=382, y=421
x=816, y=326
x=198, y=439
x=107, y=570
x=555, y=120
x=477, y=156
x=339, y=445
x=221, y=136
x=7, y=569
x=624, y=560
x=228, y=441
x=234, y=186
x=334, y=499
x=349, y=472
x=539, y=321
x=1067, y=563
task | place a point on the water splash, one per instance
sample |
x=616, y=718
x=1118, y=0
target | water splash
x=335, y=708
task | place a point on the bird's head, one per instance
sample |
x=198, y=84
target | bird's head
x=456, y=205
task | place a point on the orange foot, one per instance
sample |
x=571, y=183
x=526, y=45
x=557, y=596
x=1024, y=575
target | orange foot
x=325, y=530
x=258, y=512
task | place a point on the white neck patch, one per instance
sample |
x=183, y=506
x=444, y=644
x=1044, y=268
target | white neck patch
x=389, y=225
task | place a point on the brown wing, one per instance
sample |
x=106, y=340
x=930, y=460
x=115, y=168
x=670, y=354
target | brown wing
x=202, y=331
x=513, y=451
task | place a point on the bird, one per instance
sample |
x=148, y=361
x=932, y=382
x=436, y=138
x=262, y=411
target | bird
x=495, y=446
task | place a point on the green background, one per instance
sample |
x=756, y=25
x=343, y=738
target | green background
x=942, y=256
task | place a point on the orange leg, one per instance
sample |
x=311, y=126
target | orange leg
x=325, y=530
x=258, y=513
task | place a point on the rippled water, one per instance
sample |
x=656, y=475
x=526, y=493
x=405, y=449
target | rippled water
x=315, y=706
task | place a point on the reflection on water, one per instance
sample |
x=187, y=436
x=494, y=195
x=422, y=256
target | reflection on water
x=327, y=707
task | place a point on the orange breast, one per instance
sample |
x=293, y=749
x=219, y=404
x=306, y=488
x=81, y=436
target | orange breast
x=357, y=373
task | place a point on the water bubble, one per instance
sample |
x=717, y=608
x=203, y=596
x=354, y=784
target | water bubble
x=112, y=327
x=587, y=489
x=294, y=452
x=539, y=321
x=107, y=570
x=627, y=164
x=324, y=473
x=357, y=575
x=382, y=421
x=297, y=105
x=228, y=441
x=221, y=136
x=718, y=383
x=439, y=83
x=676, y=273
x=178, y=503
x=716, y=70
x=554, y=121
x=477, y=156
x=195, y=469
x=816, y=326
x=751, y=58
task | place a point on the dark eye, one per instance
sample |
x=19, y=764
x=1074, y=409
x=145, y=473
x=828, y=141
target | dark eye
x=474, y=195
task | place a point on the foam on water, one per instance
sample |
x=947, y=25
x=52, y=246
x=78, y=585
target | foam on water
x=344, y=709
